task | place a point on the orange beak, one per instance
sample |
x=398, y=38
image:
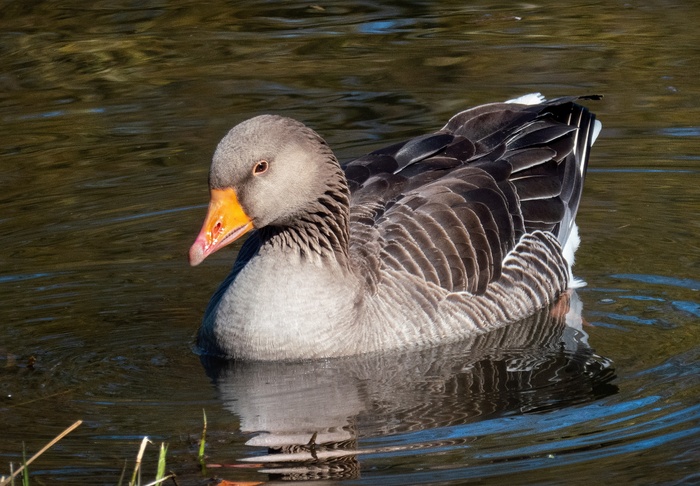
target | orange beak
x=226, y=221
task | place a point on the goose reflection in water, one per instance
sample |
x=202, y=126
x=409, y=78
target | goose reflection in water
x=312, y=416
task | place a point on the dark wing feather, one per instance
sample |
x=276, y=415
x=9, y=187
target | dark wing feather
x=449, y=206
x=420, y=148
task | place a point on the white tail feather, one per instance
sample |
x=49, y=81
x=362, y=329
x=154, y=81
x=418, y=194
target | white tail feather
x=572, y=244
x=528, y=99
x=597, y=127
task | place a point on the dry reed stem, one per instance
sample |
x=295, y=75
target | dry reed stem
x=4, y=481
x=139, y=457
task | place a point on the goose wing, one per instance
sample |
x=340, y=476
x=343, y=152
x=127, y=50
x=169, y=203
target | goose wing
x=449, y=206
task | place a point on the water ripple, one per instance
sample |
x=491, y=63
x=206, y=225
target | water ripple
x=660, y=280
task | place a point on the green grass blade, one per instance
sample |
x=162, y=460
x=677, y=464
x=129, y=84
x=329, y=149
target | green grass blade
x=160, y=473
x=202, y=442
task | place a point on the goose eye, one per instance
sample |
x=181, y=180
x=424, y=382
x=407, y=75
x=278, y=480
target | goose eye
x=261, y=167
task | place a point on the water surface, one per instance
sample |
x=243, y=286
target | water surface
x=110, y=112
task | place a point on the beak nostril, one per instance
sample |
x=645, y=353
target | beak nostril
x=217, y=227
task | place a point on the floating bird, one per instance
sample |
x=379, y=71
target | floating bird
x=426, y=241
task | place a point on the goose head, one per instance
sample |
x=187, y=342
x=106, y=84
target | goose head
x=267, y=171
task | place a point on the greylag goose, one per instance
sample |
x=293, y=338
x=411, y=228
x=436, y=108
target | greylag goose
x=426, y=241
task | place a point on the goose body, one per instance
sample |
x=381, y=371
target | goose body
x=434, y=239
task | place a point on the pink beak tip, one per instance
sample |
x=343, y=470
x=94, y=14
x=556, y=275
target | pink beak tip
x=197, y=252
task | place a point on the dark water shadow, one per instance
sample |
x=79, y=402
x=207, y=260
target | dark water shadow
x=312, y=416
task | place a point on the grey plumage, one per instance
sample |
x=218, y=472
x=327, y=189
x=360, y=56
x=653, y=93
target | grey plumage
x=430, y=240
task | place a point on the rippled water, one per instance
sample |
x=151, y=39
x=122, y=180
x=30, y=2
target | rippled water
x=109, y=114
